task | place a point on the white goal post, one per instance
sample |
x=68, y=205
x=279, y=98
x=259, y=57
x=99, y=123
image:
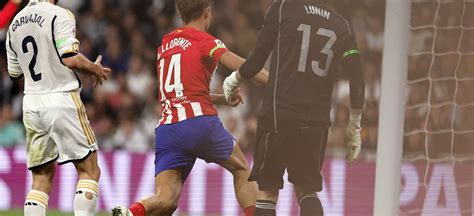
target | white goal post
x=392, y=107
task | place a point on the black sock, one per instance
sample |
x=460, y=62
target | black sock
x=265, y=208
x=310, y=205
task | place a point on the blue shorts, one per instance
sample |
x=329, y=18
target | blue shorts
x=179, y=144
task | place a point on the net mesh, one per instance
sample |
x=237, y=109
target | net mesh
x=439, y=117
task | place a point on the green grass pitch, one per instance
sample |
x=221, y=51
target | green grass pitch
x=19, y=212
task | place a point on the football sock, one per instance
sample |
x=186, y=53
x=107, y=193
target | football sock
x=85, y=201
x=310, y=205
x=137, y=209
x=36, y=203
x=249, y=211
x=265, y=208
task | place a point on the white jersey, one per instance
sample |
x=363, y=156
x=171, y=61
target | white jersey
x=39, y=36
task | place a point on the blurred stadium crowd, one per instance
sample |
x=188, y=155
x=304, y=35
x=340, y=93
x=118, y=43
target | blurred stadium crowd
x=124, y=111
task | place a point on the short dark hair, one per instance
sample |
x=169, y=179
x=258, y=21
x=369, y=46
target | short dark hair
x=191, y=9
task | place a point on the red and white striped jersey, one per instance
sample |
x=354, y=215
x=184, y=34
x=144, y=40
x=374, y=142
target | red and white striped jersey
x=187, y=58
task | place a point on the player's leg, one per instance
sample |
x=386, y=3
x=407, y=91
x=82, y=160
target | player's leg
x=87, y=190
x=172, y=166
x=245, y=190
x=304, y=167
x=71, y=131
x=219, y=147
x=268, y=169
x=169, y=185
x=310, y=205
x=37, y=199
x=266, y=203
x=41, y=157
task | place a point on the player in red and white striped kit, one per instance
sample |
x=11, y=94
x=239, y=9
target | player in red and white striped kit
x=187, y=59
x=189, y=127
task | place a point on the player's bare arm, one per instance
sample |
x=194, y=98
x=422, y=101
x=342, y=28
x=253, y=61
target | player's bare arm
x=82, y=64
x=234, y=62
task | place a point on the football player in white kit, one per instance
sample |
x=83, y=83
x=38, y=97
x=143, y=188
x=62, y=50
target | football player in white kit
x=42, y=49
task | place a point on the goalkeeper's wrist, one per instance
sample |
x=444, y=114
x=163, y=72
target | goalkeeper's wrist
x=234, y=79
x=356, y=111
x=355, y=118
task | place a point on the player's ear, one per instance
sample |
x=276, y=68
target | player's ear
x=207, y=12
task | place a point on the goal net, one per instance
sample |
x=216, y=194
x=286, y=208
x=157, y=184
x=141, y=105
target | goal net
x=437, y=175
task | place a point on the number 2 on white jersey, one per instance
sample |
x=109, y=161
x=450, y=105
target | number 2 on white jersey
x=174, y=68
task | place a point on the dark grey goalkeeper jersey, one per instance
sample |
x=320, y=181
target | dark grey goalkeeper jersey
x=309, y=41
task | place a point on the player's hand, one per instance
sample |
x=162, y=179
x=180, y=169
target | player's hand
x=101, y=73
x=231, y=85
x=235, y=99
x=352, y=137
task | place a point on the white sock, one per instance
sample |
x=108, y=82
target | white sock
x=36, y=203
x=85, y=201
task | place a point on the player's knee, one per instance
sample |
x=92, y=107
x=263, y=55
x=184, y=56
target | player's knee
x=240, y=169
x=167, y=207
x=92, y=173
x=43, y=177
x=243, y=165
x=88, y=169
x=271, y=195
x=239, y=166
x=301, y=192
x=46, y=171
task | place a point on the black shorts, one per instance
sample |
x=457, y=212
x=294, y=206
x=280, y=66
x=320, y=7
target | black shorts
x=298, y=147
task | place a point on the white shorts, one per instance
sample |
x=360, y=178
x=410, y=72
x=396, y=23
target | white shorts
x=57, y=128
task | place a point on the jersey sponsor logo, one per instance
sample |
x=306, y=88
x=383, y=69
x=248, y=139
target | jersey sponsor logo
x=310, y=9
x=28, y=19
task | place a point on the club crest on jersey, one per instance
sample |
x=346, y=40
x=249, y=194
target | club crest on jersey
x=310, y=9
x=219, y=43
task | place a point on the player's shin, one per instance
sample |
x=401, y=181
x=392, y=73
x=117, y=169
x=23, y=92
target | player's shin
x=310, y=205
x=245, y=191
x=36, y=203
x=85, y=201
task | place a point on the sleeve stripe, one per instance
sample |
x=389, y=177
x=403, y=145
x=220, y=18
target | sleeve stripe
x=222, y=46
x=350, y=52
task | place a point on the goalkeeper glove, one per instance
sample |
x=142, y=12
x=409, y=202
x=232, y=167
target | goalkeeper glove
x=352, y=138
x=231, y=84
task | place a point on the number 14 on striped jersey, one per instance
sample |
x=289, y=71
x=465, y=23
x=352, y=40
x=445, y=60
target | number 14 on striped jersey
x=173, y=68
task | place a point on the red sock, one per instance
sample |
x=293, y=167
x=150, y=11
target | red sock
x=249, y=210
x=138, y=209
